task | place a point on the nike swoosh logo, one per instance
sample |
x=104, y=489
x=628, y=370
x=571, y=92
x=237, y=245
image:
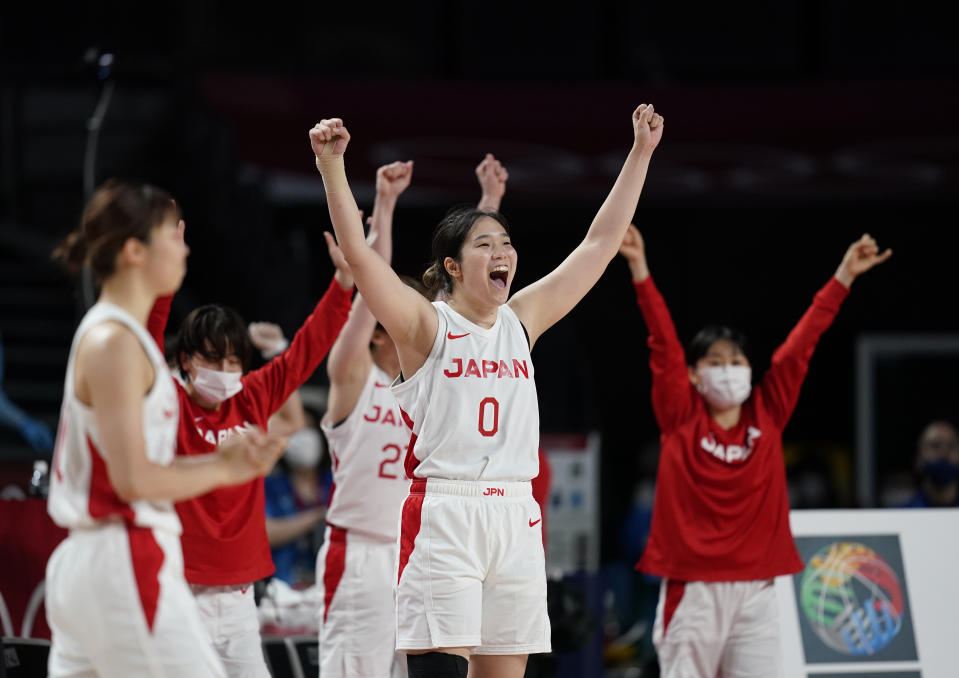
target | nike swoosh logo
x=533, y=523
x=450, y=335
x=169, y=413
x=379, y=385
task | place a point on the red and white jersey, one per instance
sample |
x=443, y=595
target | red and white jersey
x=80, y=491
x=472, y=405
x=369, y=482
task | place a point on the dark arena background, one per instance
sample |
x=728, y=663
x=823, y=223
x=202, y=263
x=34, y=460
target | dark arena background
x=791, y=128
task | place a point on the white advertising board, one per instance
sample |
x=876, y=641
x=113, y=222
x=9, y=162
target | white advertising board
x=878, y=598
x=572, y=513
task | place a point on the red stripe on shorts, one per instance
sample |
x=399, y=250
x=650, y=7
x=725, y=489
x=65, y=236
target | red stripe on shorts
x=147, y=557
x=674, y=593
x=335, y=564
x=410, y=525
x=411, y=462
x=104, y=501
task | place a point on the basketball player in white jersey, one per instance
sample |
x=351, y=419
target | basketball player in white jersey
x=471, y=592
x=116, y=599
x=356, y=568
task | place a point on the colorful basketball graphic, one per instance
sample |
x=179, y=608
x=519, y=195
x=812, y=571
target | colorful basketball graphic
x=852, y=598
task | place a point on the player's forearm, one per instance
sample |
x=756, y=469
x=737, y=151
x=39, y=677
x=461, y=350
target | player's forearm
x=383, y=209
x=667, y=360
x=310, y=345
x=343, y=210
x=289, y=418
x=280, y=531
x=157, y=321
x=639, y=270
x=489, y=203
x=325, y=323
x=801, y=342
x=188, y=477
x=349, y=232
x=353, y=340
x=618, y=209
x=656, y=315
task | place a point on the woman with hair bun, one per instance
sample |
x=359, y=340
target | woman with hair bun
x=116, y=598
x=471, y=592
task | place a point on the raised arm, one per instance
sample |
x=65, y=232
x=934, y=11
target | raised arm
x=113, y=374
x=410, y=320
x=492, y=178
x=273, y=383
x=672, y=395
x=269, y=341
x=157, y=321
x=290, y=418
x=160, y=313
x=781, y=384
x=547, y=300
x=391, y=181
x=350, y=352
x=349, y=363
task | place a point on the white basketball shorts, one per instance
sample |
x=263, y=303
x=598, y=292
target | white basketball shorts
x=229, y=614
x=472, y=572
x=356, y=575
x=118, y=606
x=728, y=629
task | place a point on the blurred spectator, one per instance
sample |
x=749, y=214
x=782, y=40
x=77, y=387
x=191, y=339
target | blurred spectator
x=34, y=432
x=937, y=465
x=297, y=493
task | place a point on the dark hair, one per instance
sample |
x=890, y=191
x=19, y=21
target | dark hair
x=214, y=332
x=116, y=212
x=448, y=238
x=708, y=336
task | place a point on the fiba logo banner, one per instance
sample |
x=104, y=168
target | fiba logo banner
x=853, y=600
x=877, y=595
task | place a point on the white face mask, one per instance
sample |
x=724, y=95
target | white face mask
x=215, y=385
x=304, y=448
x=725, y=386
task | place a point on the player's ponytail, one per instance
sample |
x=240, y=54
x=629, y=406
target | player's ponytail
x=437, y=280
x=71, y=253
x=116, y=212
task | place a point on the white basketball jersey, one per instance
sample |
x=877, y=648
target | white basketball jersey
x=80, y=491
x=368, y=448
x=472, y=405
